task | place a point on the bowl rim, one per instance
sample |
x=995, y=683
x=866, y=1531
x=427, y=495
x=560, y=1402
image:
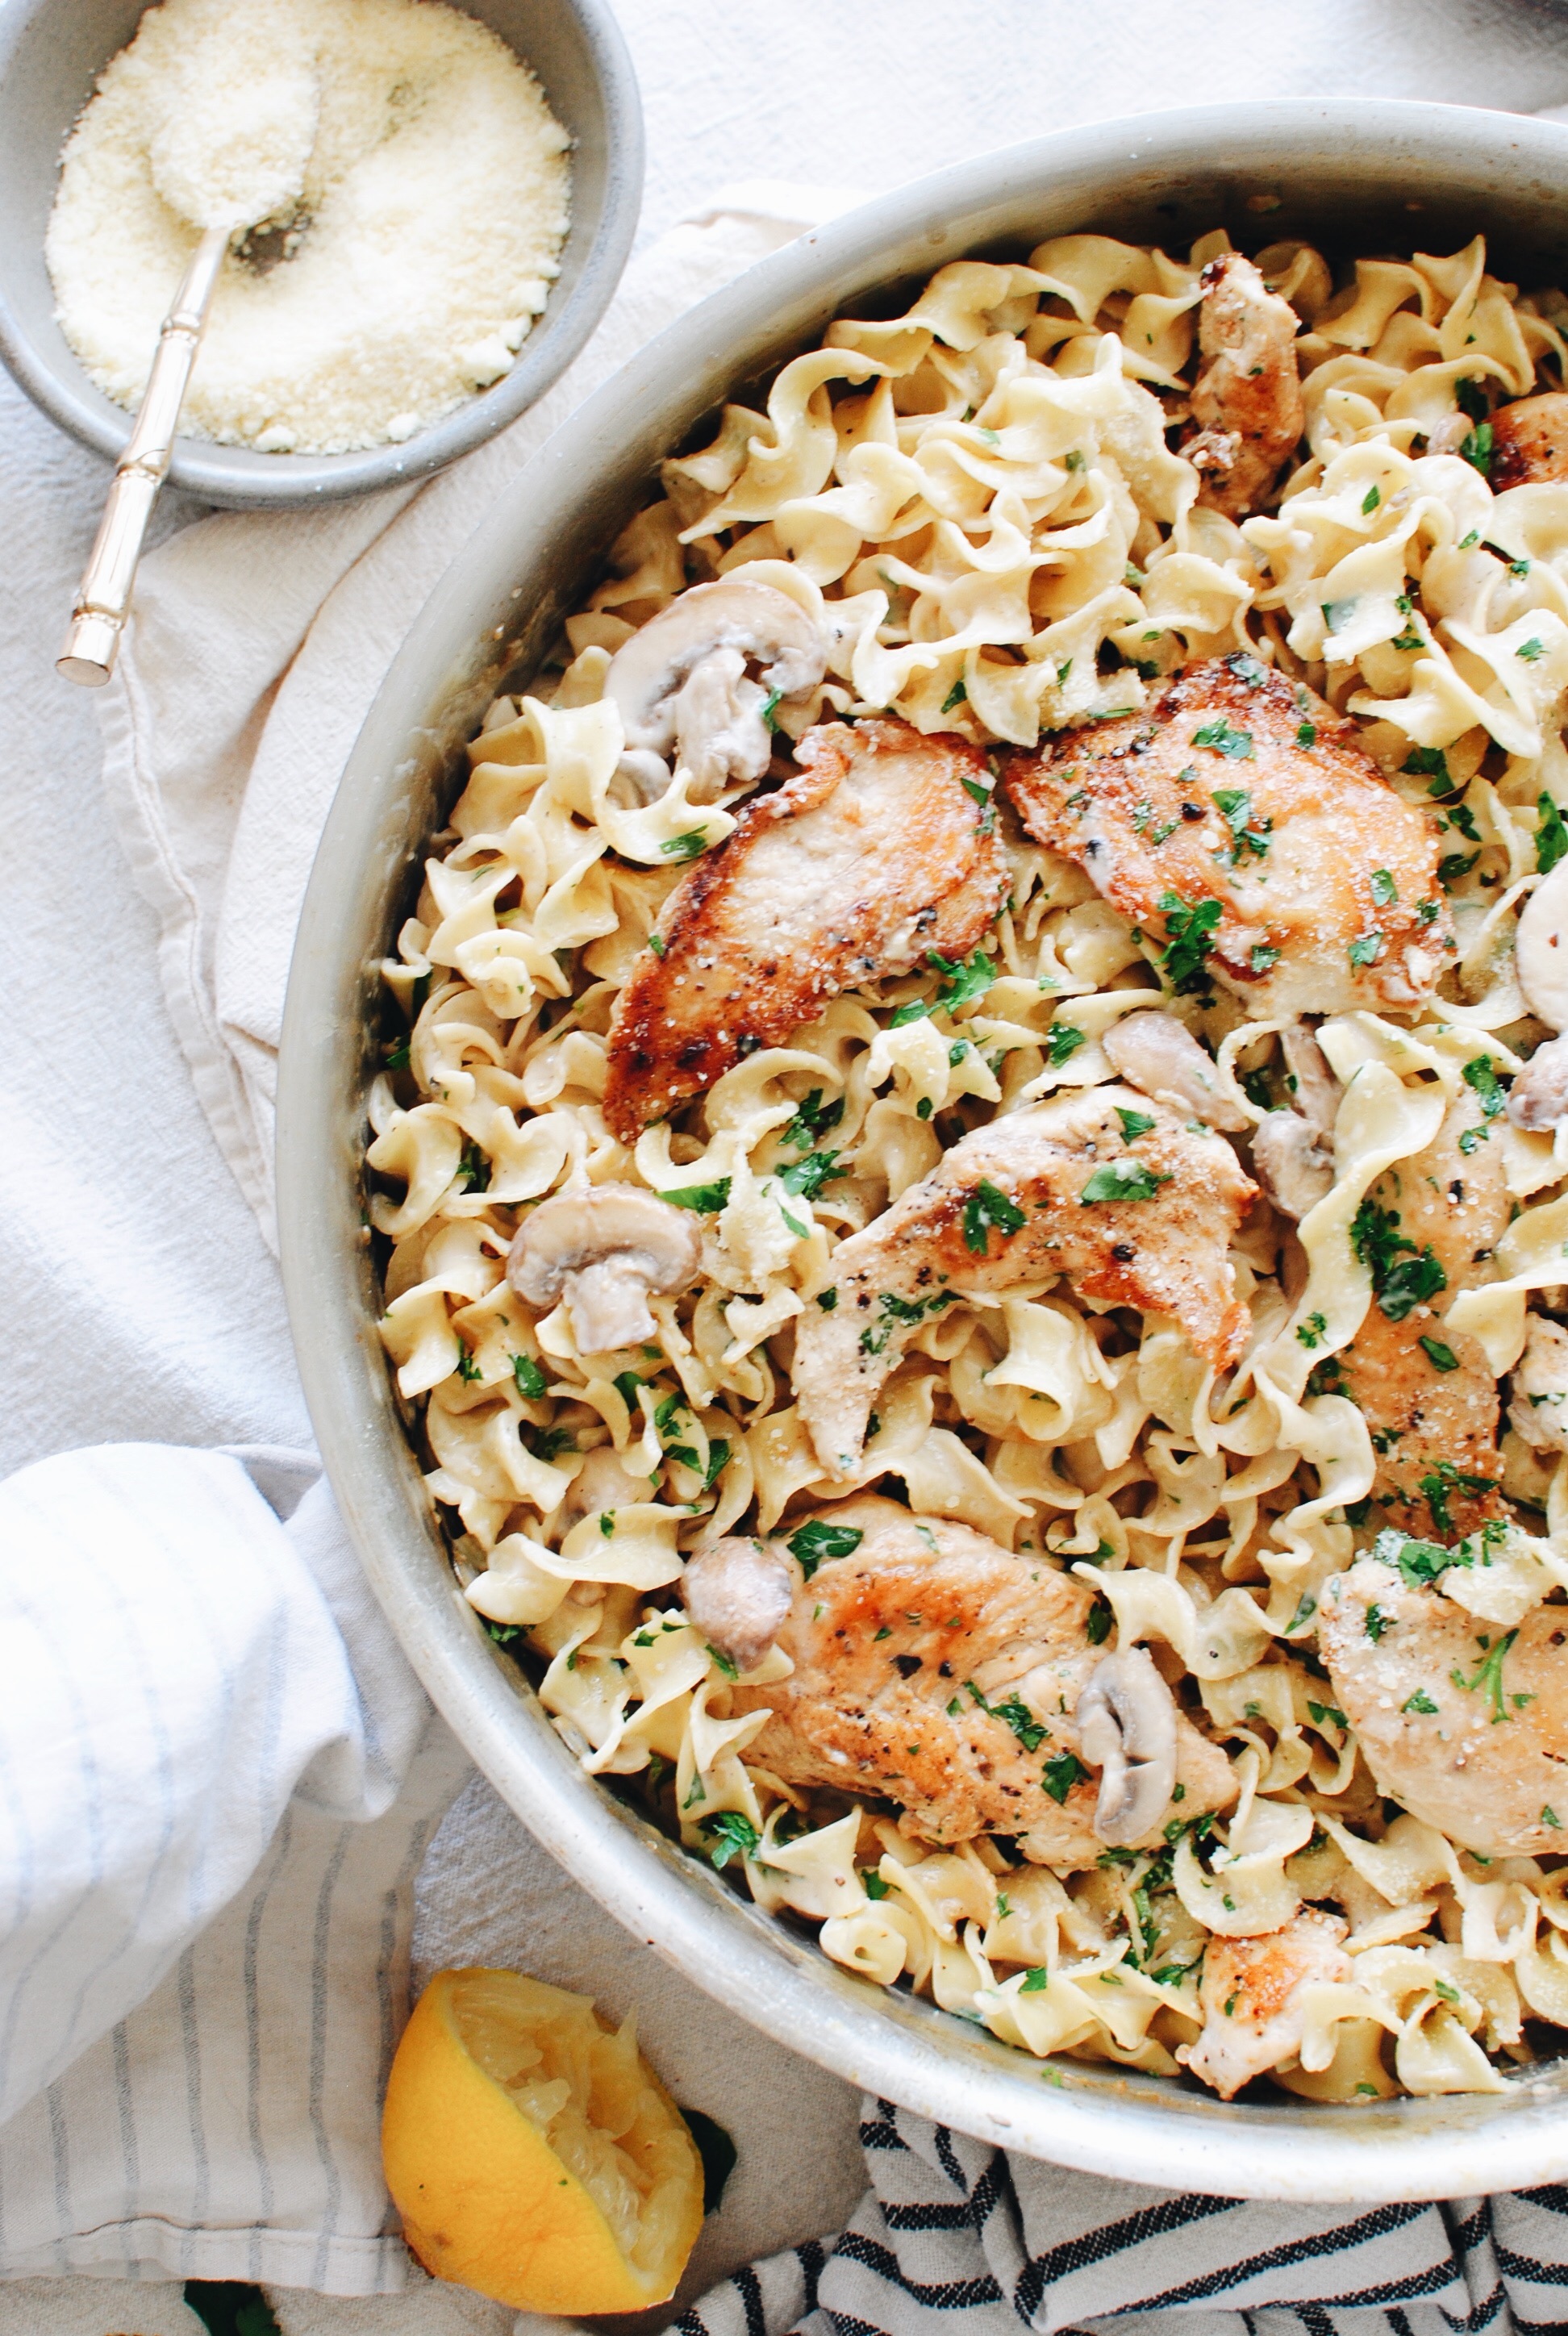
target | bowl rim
x=1105, y=2121
x=213, y=472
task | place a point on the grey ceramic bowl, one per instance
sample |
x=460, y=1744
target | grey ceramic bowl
x=1361, y=177
x=51, y=53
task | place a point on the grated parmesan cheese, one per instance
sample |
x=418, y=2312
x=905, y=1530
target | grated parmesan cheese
x=433, y=206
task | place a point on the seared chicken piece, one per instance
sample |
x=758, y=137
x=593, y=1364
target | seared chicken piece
x=1463, y=1722
x=1540, y=1406
x=1432, y=1408
x=935, y=1670
x=1530, y=441
x=1060, y=1189
x=1247, y=396
x=1236, y=788
x=1254, y=2016
x=871, y=857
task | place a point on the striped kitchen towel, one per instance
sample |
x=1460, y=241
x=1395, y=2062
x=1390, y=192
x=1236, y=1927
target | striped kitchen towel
x=217, y=1778
x=956, y=2235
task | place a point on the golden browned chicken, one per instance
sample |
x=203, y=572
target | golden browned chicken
x=1427, y=1230
x=938, y=1670
x=878, y=851
x=1247, y=396
x=1530, y=441
x=1135, y=1206
x=1241, y=820
x=1251, y=1989
x=1463, y=1722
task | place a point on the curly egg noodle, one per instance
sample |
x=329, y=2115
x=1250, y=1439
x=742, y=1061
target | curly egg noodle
x=977, y=504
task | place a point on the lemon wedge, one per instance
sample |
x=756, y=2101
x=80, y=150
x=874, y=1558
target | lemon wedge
x=533, y=2154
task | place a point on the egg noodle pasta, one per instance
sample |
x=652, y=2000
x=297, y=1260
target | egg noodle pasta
x=1258, y=1508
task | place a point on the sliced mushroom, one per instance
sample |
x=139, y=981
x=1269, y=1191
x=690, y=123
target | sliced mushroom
x=1291, y=1166
x=1313, y=1083
x=1538, y=1099
x=1160, y=1056
x=737, y=1593
x=681, y=681
x=1541, y=948
x=1540, y=1406
x=604, y=1249
x=1127, y=1724
x=1291, y=1149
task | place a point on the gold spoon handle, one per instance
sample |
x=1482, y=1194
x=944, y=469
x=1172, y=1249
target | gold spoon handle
x=104, y=599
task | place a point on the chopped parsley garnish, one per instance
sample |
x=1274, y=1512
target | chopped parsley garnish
x=957, y=696
x=1531, y=650
x=809, y=1175
x=1420, y=1562
x=1060, y=1775
x=473, y=1170
x=1121, y=1179
x=1367, y=948
x=1327, y=1711
x=1264, y=956
x=1488, y=1676
x=1376, y=1623
x=1384, y=891
x=964, y=982
x=1475, y=448
x=1307, y=733
x=530, y=1379
x=1236, y=745
x=1401, y=1281
x=1062, y=1042
x=726, y=1662
x=913, y=1010
x=1480, y=1074
x=1420, y=1701
x=1311, y=1332
x=687, y=846
x=817, y=1540
x=1453, y=866
x=1190, y=938
x=1133, y=1123
x=1037, y=1978
x=1428, y=763
x=1234, y=805
x=717, y=1459
x=656, y=942
x=1441, y=1358
x=986, y=1207
x=467, y=1369
x=1436, y=1487
x=1098, y=1622
x=707, y=1199
x=729, y=1834
x=769, y=706
x=1551, y=834
x=827, y=1300
x=811, y=1121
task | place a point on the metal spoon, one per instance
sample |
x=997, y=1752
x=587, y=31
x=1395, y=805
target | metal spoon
x=232, y=153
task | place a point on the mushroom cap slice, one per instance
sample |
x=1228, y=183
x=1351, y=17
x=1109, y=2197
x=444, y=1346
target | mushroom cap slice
x=1541, y=948
x=1126, y=1723
x=1538, y=1098
x=1293, y=1169
x=737, y=1593
x=1153, y=1051
x=604, y=1249
x=680, y=679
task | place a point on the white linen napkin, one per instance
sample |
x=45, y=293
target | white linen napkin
x=220, y=1779
x=256, y=647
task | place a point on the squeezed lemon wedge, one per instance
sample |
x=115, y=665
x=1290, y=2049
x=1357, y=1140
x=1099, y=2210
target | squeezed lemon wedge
x=533, y=2154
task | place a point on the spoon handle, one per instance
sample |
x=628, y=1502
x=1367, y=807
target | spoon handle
x=104, y=599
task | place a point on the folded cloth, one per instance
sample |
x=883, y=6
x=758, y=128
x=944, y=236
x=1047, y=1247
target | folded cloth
x=951, y=2226
x=220, y=1777
x=256, y=646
